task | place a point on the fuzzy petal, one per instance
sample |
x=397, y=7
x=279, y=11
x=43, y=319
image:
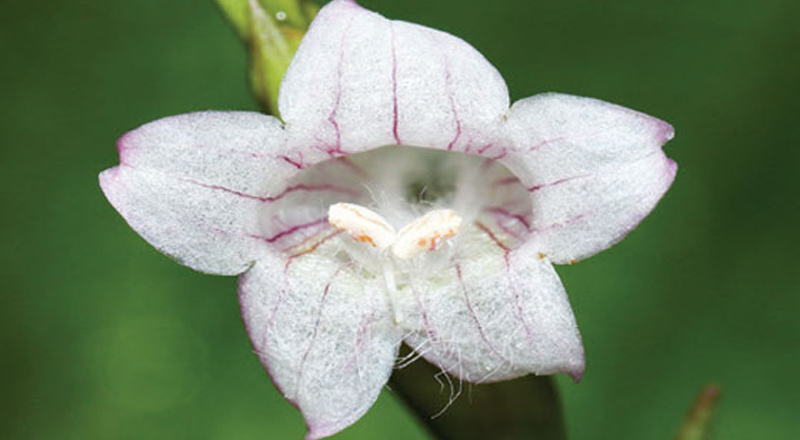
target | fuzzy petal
x=594, y=170
x=360, y=81
x=496, y=314
x=190, y=185
x=324, y=334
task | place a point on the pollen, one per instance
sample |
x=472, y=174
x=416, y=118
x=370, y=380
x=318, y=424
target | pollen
x=426, y=233
x=366, y=239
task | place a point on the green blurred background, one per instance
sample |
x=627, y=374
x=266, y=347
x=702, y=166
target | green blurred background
x=101, y=337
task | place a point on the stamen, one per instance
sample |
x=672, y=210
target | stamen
x=362, y=224
x=425, y=233
x=367, y=226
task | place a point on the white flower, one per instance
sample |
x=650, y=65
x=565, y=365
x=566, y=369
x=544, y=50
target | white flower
x=327, y=299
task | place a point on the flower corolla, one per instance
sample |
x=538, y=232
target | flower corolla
x=401, y=200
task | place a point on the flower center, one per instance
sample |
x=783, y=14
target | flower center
x=407, y=211
x=423, y=234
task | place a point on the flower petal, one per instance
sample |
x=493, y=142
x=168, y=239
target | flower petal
x=191, y=185
x=594, y=170
x=360, y=81
x=496, y=314
x=324, y=334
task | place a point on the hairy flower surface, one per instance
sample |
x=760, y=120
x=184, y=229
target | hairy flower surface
x=401, y=200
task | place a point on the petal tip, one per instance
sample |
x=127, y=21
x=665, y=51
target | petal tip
x=123, y=145
x=316, y=433
x=107, y=180
x=335, y=4
x=107, y=175
x=318, y=430
x=575, y=370
x=666, y=132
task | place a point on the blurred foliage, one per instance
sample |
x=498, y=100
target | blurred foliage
x=103, y=337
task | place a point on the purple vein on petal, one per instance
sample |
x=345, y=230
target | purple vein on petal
x=505, y=181
x=362, y=337
x=501, y=155
x=297, y=163
x=512, y=286
x=315, y=332
x=571, y=220
x=448, y=79
x=394, y=87
x=484, y=148
x=508, y=230
x=474, y=316
x=426, y=323
x=270, y=323
x=546, y=142
x=494, y=238
x=290, y=231
x=338, y=98
x=555, y=182
x=518, y=302
x=294, y=188
x=565, y=137
x=503, y=212
x=310, y=249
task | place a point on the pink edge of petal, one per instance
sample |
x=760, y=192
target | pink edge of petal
x=663, y=130
x=124, y=145
x=313, y=432
x=666, y=132
x=341, y=7
x=107, y=179
x=351, y=3
x=106, y=176
x=668, y=174
x=261, y=359
x=576, y=371
x=318, y=432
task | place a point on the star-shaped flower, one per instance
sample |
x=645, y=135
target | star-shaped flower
x=444, y=238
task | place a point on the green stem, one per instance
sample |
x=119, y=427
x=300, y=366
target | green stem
x=697, y=423
x=524, y=408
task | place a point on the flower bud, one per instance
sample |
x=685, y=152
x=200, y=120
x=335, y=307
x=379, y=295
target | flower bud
x=272, y=29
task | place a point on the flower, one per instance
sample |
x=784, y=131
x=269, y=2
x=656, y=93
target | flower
x=349, y=238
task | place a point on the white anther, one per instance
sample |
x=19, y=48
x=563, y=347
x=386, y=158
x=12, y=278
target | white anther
x=425, y=233
x=362, y=224
x=367, y=226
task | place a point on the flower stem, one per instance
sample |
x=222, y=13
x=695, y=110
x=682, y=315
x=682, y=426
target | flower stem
x=524, y=408
x=697, y=423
